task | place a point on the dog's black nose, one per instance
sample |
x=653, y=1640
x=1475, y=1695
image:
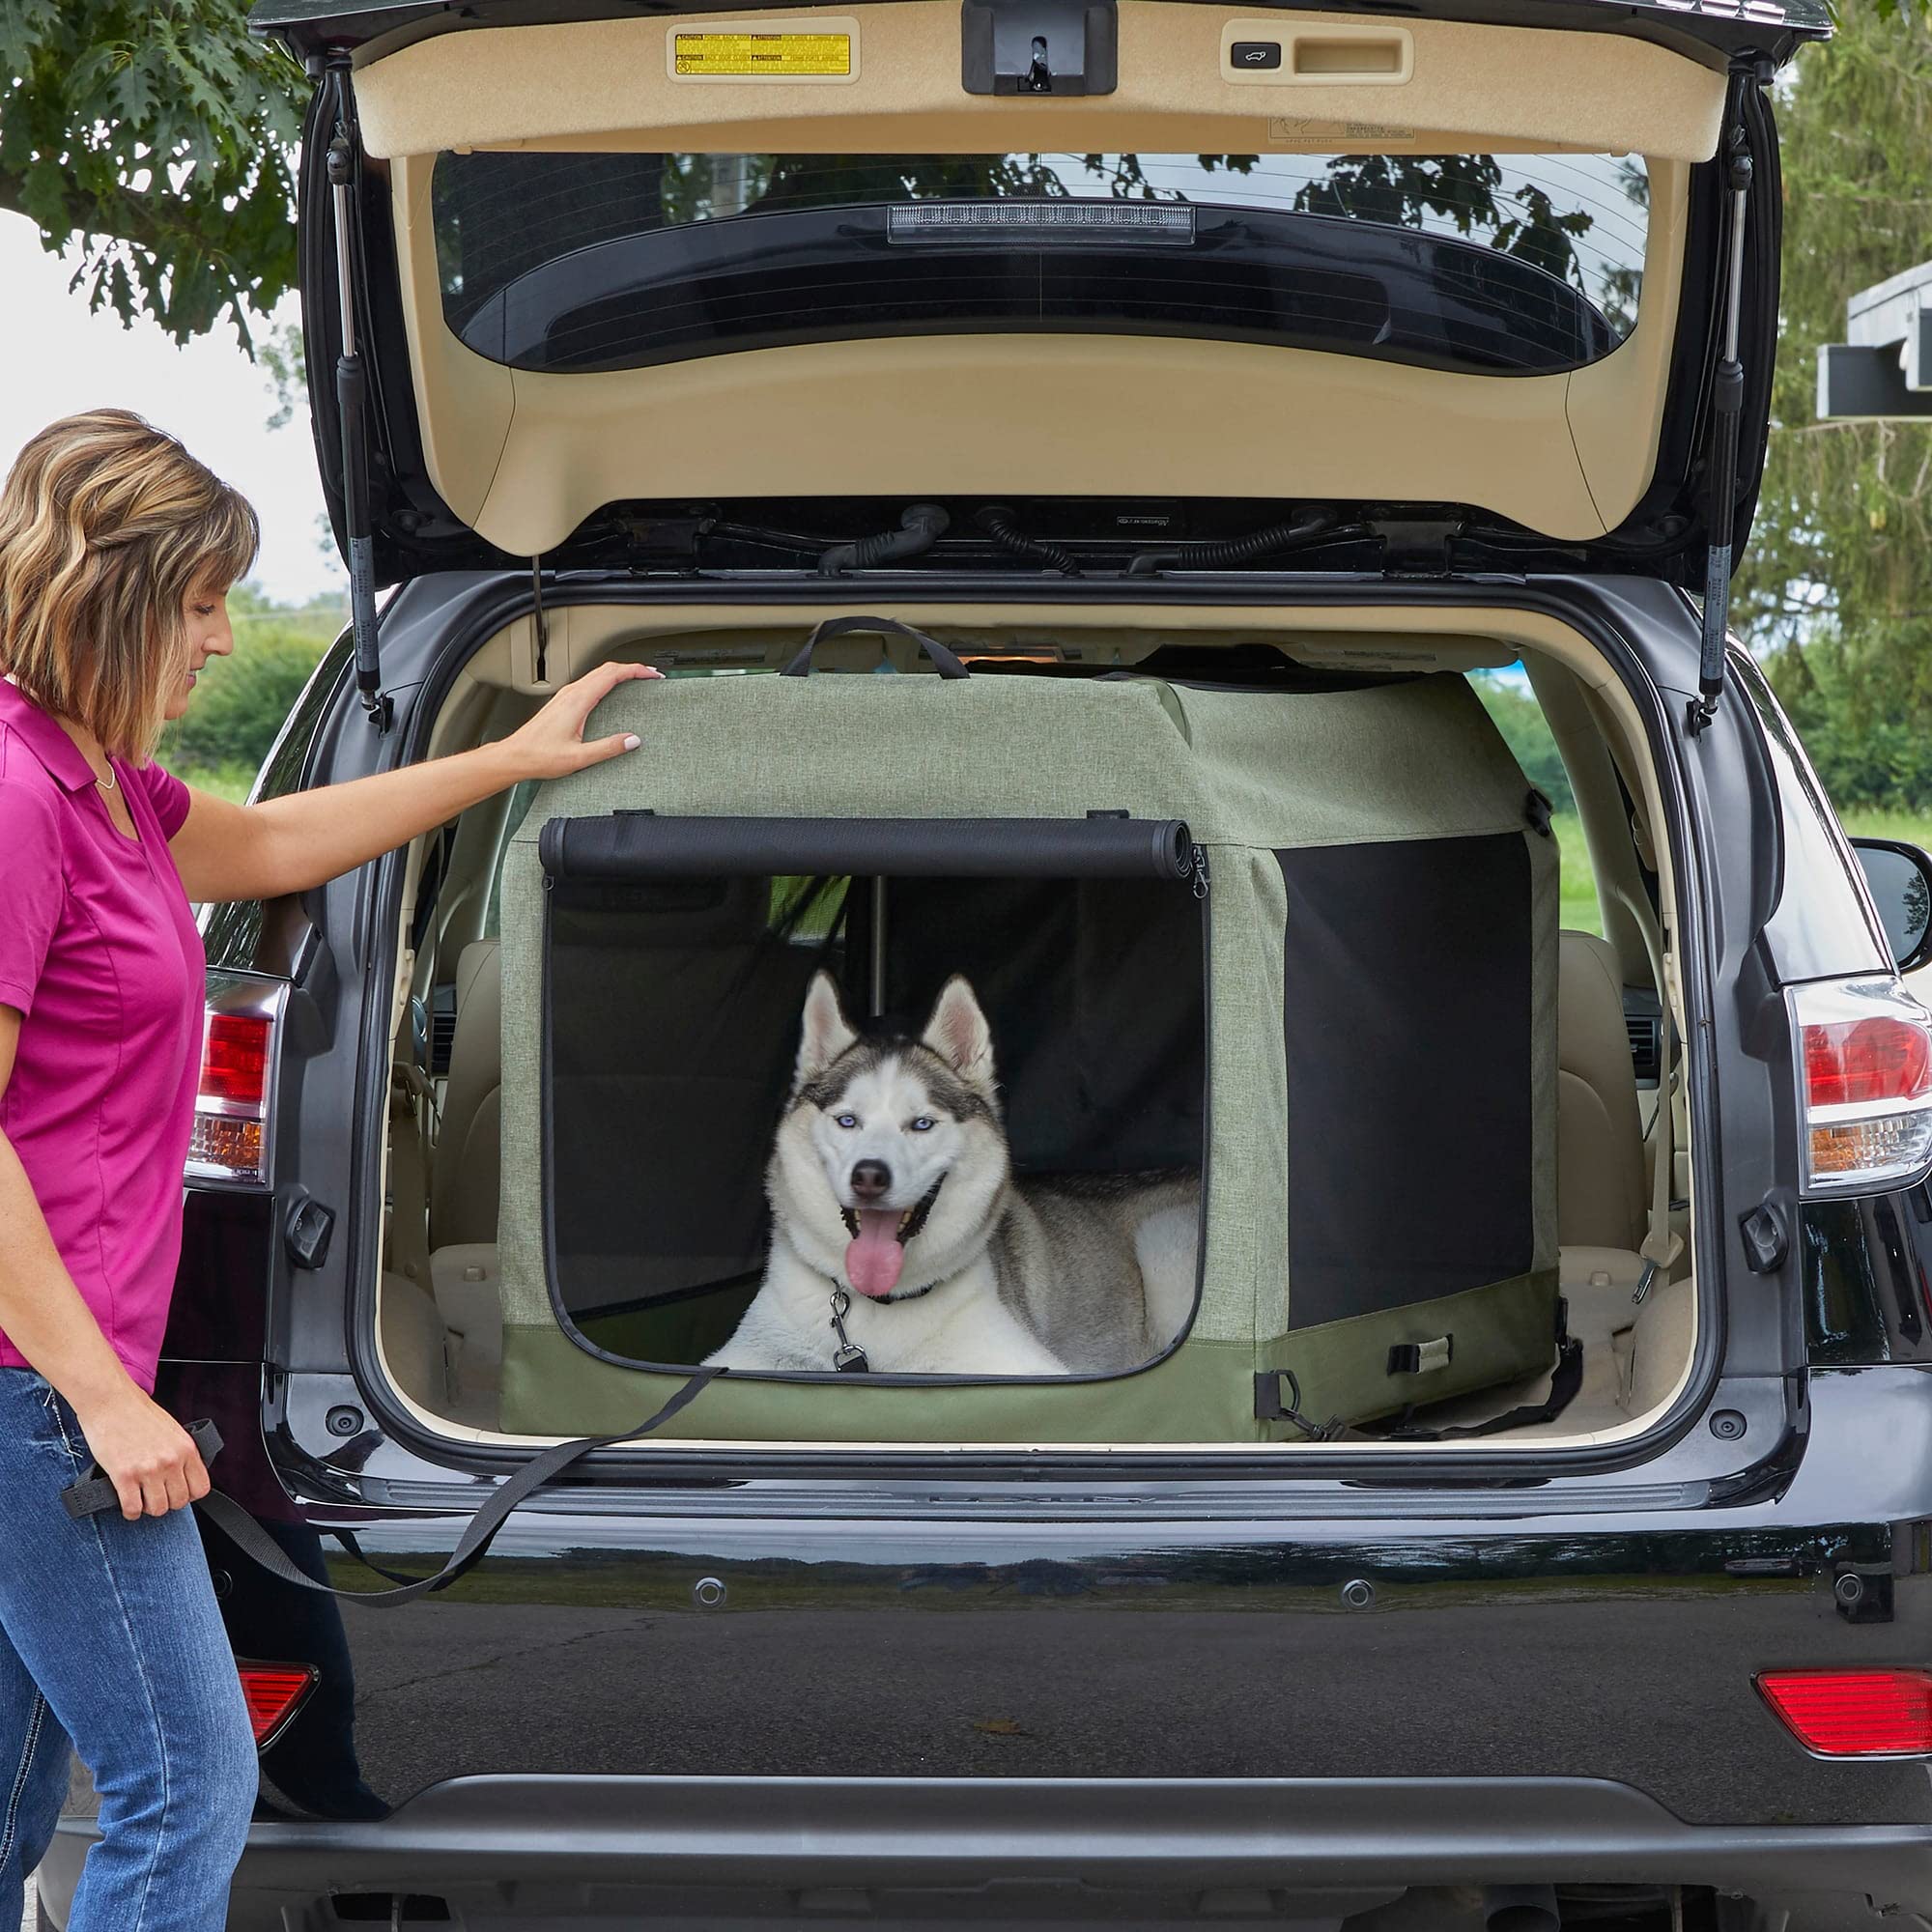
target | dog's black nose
x=870, y=1179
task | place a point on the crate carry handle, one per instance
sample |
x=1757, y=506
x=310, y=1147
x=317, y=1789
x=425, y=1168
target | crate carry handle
x=943, y=662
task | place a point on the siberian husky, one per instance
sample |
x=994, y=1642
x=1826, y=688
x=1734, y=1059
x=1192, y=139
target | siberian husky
x=902, y=1243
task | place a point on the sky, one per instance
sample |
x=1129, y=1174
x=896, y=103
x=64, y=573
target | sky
x=209, y=394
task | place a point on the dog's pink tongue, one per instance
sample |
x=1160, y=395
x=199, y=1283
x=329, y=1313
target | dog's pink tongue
x=872, y=1263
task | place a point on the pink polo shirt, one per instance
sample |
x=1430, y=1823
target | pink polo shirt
x=98, y=952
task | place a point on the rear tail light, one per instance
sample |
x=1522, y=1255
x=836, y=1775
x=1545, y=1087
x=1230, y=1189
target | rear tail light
x=232, y=1106
x=274, y=1693
x=1865, y=1050
x=1854, y=1713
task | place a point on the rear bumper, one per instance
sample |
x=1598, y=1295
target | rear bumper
x=510, y=1852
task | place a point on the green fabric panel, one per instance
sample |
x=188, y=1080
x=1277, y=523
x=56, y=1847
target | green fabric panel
x=1203, y=1392
x=522, y=1268
x=1244, y=1290
x=1504, y=1331
x=1416, y=760
x=1412, y=760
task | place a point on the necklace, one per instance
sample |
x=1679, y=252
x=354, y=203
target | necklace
x=107, y=783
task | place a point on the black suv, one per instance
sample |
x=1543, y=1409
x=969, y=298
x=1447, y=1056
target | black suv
x=1364, y=350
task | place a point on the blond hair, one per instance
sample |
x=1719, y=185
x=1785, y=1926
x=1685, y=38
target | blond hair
x=108, y=524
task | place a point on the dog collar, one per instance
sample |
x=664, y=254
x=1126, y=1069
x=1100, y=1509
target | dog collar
x=849, y=1357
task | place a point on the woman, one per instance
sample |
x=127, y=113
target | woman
x=117, y=551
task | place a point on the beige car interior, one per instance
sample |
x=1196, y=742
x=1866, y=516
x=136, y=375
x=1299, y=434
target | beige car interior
x=525, y=456
x=439, y=1321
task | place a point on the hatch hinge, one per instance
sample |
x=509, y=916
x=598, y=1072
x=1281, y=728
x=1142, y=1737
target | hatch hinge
x=351, y=404
x=1416, y=546
x=539, y=623
x=1727, y=396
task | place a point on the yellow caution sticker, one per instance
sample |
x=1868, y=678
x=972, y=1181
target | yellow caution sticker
x=714, y=54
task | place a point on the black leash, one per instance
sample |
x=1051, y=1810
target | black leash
x=94, y=1492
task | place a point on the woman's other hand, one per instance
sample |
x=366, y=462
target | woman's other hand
x=552, y=744
x=145, y=1453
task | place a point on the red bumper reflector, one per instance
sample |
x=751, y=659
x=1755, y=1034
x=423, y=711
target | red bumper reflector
x=274, y=1693
x=1854, y=1713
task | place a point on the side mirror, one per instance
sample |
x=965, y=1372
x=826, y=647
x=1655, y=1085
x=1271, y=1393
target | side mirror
x=1900, y=879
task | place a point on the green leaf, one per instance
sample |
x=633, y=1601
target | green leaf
x=152, y=139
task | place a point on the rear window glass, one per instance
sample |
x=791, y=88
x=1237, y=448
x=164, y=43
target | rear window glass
x=1513, y=263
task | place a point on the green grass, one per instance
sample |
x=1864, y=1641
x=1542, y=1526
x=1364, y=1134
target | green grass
x=1914, y=828
x=1581, y=914
x=1580, y=911
x=224, y=781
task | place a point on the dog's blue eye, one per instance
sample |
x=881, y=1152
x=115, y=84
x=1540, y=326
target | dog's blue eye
x=923, y=1125
x=845, y=1121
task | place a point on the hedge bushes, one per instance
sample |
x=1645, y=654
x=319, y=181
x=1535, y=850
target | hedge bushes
x=239, y=701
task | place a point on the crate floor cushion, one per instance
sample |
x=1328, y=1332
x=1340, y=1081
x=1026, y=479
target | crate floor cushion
x=1346, y=1020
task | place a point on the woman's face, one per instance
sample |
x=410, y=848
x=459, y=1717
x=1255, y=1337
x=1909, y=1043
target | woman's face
x=205, y=615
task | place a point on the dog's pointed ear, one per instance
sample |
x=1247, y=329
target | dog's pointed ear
x=959, y=1032
x=827, y=1031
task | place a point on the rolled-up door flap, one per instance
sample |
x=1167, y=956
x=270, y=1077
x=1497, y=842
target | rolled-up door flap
x=625, y=845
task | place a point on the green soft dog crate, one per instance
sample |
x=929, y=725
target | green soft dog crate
x=1308, y=933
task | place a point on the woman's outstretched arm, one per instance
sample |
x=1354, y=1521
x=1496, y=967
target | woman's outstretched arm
x=226, y=852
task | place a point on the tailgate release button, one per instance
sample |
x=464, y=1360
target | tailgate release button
x=1253, y=56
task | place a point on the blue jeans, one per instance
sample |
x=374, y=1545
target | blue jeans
x=110, y=1638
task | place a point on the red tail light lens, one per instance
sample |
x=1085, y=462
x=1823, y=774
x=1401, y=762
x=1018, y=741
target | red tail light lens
x=1849, y=1063
x=274, y=1693
x=232, y=1108
x=1865, y=1053
x=234, y=1058
x=1854, y=1713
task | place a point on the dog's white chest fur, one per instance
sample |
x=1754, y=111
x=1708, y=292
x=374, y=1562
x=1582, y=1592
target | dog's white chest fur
x=959, y=1327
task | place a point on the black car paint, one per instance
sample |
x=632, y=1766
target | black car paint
x=697, y=1616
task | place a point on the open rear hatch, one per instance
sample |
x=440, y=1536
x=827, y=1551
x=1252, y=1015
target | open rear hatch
x=1456, y=276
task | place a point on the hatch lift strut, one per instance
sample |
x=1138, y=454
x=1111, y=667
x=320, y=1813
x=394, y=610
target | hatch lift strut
x=349, y=405
x=1727, y=396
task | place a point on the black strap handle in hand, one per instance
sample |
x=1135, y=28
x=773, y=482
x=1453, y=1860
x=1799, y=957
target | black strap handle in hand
x=943, y=662
x=94, y=1492
x=254, y=1542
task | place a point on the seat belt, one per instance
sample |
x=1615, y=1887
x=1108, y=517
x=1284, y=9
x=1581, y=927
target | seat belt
x=412, y=1124
x=94, y=1492
x=1660, y=1246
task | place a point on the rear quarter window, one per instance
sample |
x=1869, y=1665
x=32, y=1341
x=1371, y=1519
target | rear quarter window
x=241, y=934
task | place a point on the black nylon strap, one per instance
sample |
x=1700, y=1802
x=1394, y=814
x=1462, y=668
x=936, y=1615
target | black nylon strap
x=248, y=1536
x=943, y=662
x=1564, y=1383
x=94, y=1492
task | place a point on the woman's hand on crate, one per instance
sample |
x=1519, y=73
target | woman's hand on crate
x=552, y=744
